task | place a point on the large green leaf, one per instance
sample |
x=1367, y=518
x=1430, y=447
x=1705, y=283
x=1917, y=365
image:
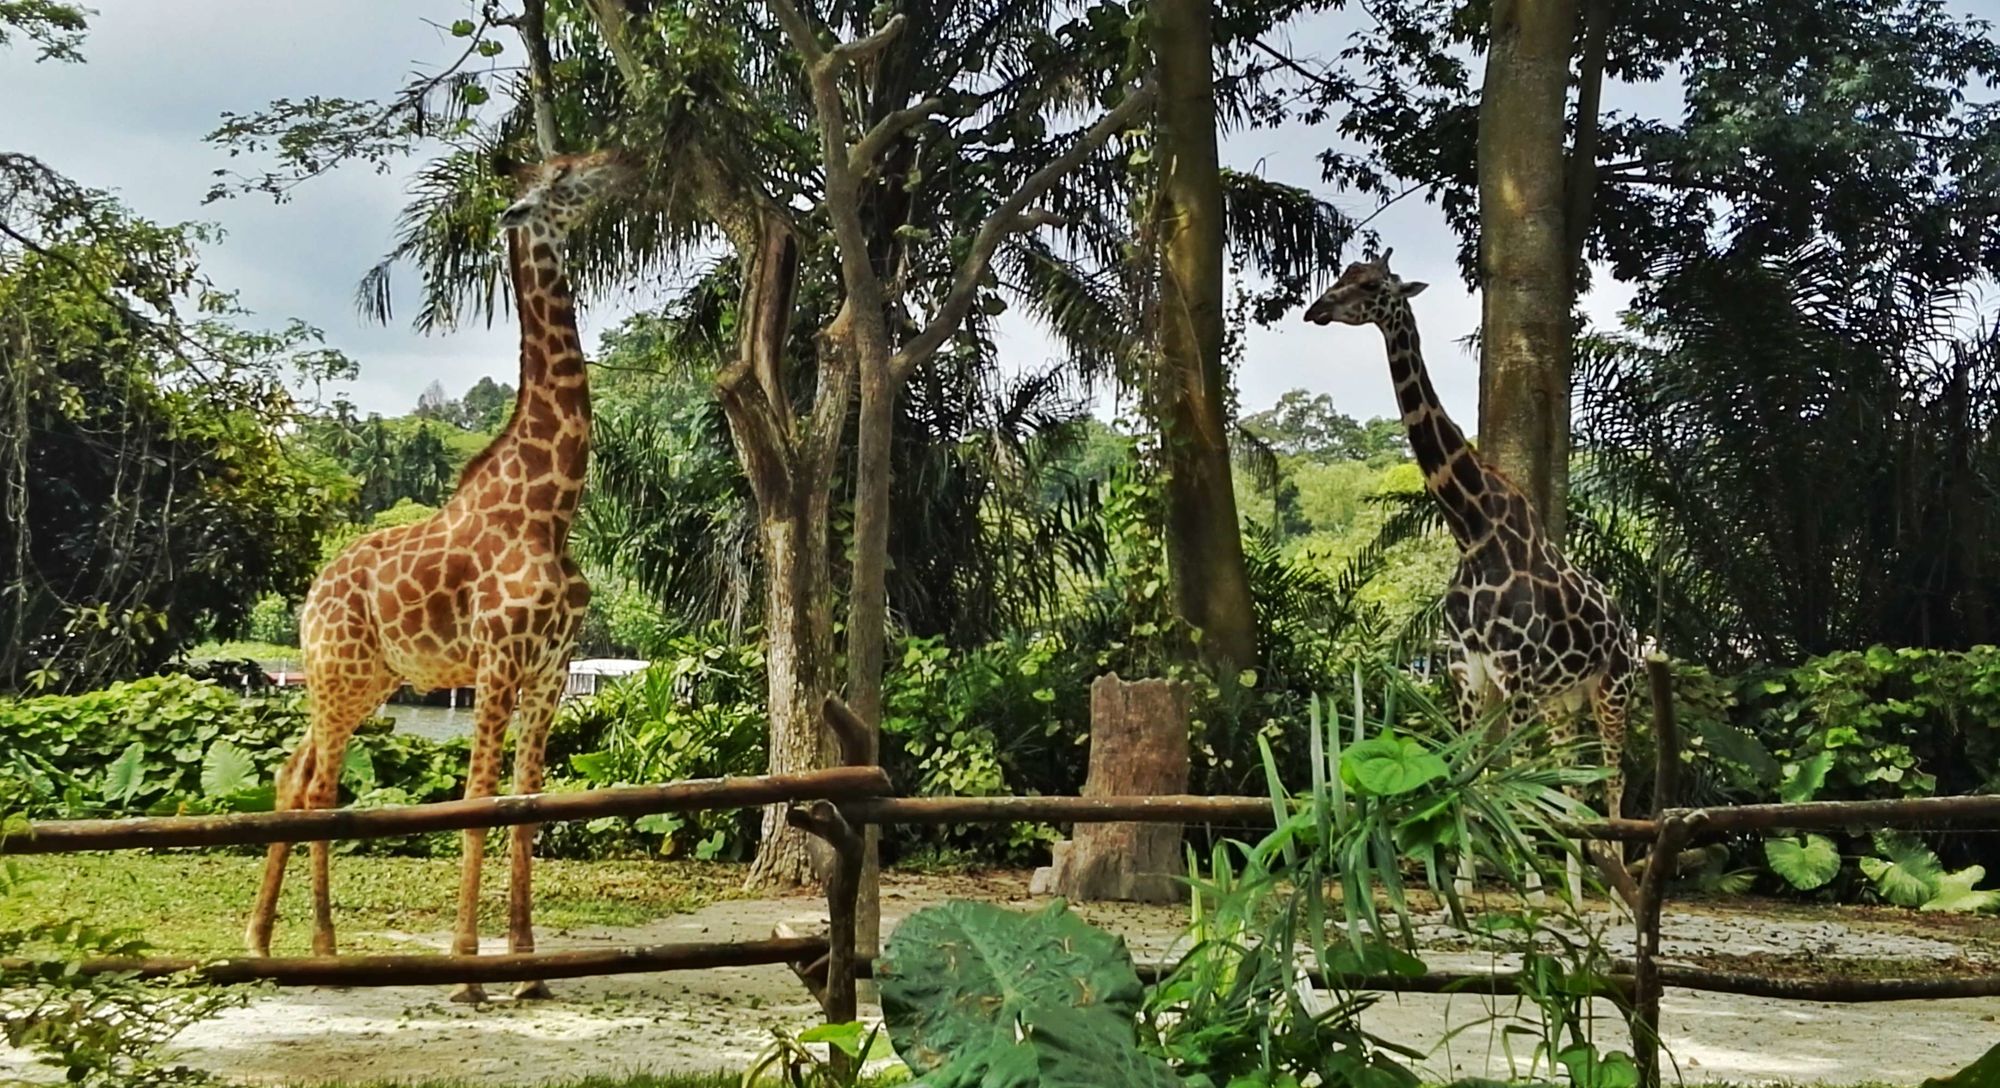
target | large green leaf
x=1804, y=864
x=1955, y=892
x=1984, y=1073
x=1388, y=765
x=1907, y=873
x=1739, y=746
x=358, y=772
x=227, y=770
x=126, y=774
x=1803, y=779
x=977, y=995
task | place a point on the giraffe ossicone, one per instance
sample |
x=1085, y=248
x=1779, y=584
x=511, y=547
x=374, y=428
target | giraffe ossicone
x=482, y=594
x=1528, y=630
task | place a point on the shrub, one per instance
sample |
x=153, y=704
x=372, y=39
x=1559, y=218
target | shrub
x=697, y=712
x=175, y=744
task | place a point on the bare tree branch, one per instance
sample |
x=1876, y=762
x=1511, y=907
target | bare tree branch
x=853, y=52
x=843, y=187
x=862, y=159
x=1011, y=217
x=534, y=30
x=610, y=18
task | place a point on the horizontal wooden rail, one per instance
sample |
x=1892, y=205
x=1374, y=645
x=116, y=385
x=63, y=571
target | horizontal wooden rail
x=1916, y=813
x=1832, y=990
x=428, y=970
x=70, y=836
x=1165, y=808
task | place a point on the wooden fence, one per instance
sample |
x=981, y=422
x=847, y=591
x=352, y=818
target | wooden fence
x=834, y=804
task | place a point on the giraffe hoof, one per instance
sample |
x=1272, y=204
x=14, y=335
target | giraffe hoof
x=532, y=991
x=468, y=993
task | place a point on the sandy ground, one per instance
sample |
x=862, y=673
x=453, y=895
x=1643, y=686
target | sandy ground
x=722, y=1018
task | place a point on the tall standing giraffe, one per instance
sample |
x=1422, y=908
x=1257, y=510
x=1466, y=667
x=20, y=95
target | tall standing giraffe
x=482, y=594
x=1527, y=628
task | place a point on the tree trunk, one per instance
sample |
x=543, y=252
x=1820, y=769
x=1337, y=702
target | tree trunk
x=1524, y=264
x=868, y=605
x=1138, y=748
x=798, y=634
x=1204, y=542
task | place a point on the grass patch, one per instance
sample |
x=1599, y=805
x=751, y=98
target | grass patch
x=197, y=904
x=241, y=650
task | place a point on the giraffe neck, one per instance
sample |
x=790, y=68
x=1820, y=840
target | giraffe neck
x=549, y=435
x=1452, y=471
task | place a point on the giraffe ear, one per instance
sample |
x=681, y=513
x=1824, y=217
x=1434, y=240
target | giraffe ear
x=1412, y=288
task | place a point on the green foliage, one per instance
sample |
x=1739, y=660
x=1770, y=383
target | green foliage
x=149, y=501
x=1760, y=525
x=274, y=620
x=977, y=995
x=173, y=745
x=1004, y=718
x=1231, y=1011
x=1984, y=1073
x=803, y=1067
x=697, y=712
x=1877, y=724
x=1808, y=862
x=100, y=1031
x=1310, y=427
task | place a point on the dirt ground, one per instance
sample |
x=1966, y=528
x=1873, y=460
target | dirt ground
x=707, y=1020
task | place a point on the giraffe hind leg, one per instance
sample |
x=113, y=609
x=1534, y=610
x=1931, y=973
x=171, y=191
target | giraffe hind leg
x=297, y=769
x=340, y=703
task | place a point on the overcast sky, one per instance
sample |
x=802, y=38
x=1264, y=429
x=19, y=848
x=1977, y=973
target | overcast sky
x=159, y=75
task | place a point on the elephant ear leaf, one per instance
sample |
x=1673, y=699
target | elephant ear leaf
x=977, y=995
x=227, y=770
x=127, y=774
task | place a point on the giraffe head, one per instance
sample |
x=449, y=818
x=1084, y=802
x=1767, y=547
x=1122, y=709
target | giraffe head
x=1363, y=295
x=553, y=195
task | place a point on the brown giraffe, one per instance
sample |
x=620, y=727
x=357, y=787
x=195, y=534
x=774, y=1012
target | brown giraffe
x=1527, y=628
x=482, y=594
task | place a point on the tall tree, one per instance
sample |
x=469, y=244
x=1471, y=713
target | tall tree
x=1204, y=543
x=961, y=102
x=1866, y=105
x=1524, y=262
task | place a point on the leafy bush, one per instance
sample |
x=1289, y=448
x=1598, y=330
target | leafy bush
x=1875, y=724
x=174, y=744
x=975, y=994
x=274, y=620
x=697, y=712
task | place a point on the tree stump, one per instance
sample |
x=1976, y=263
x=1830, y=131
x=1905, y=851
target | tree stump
x=1138, y=747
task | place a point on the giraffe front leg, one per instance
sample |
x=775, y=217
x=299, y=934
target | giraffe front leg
x=1609, y=705
x=1475, y=695
x=538, y=710
x=492, y=711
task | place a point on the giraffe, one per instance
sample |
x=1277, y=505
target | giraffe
x=1527, y=628
x=482, y=594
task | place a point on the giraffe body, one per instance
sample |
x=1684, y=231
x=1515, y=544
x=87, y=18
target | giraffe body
x=482, y=594
x=1528, y=630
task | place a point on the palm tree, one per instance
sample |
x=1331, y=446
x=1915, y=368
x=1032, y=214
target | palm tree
x=1794, y=454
